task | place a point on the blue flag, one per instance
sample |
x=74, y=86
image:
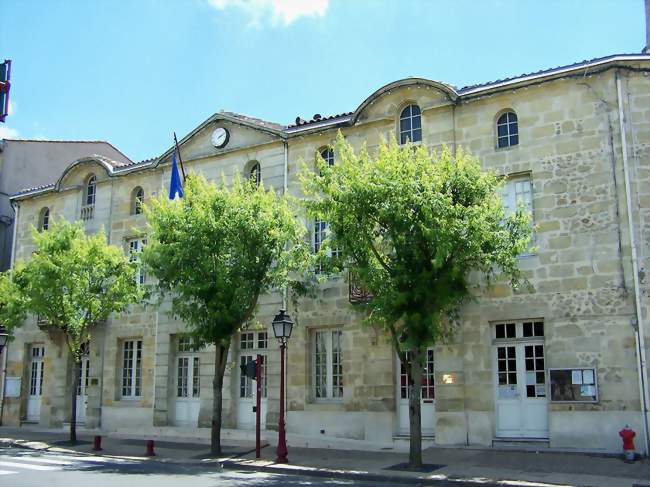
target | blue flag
x=176, y=185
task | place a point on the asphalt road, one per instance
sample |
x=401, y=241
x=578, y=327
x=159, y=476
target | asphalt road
x=29, y=468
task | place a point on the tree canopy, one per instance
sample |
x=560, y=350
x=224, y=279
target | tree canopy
x=412, y=225
x=72, y=282
x=214, y=252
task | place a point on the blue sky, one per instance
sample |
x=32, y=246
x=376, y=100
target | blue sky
x=132, y=72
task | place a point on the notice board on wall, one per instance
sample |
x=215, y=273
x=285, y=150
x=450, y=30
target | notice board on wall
x=12, y=387
x=573, y=385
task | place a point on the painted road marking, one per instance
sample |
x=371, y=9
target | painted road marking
x=27, y=466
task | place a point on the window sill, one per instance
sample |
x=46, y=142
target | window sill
x=128, y=402
x=503, y=149
x=325, y=405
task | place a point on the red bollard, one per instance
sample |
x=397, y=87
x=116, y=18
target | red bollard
x=97, y=445
x=150, y=452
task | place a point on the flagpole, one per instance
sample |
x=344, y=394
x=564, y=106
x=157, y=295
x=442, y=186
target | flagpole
x=179, y=157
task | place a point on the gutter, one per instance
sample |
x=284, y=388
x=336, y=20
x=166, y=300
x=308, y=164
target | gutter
x=639, y=331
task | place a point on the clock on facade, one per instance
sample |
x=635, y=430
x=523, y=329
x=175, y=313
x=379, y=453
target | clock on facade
x=220, y=137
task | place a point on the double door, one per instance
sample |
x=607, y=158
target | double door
x=521, y=390
x=251, y=343
x=427, y=398
x=82, y=389
x=36, y=371
x=188, y=390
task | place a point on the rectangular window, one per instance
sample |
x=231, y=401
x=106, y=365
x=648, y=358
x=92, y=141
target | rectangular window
x=327, y=366
x=519, y=191
x=131, y=369
x=320, y=234
x=135, y=251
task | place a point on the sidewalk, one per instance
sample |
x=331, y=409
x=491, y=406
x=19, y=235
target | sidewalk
x=510, y=467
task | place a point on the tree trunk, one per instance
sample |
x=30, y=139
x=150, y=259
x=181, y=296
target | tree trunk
x=415, y=411
x=73, y=414
x=220, y=360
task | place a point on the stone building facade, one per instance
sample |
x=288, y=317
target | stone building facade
x=559, y=365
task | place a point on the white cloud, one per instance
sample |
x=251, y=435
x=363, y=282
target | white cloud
x=278, y=12
x=7, y=132
x=12, y=107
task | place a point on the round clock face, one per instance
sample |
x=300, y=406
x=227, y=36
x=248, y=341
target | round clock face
x=220, y=137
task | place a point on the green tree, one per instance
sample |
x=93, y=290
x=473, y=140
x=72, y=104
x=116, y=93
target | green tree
x=412, y=225
x=72, y=282
x=214, y=252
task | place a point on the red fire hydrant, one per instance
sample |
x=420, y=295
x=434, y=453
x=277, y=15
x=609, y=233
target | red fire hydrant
x=628, y=435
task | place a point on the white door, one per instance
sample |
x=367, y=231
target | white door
x=36, y=365
x=521, y=395
x=427, y=401
x=250, y=344
x=82, y=386
x=188, y=389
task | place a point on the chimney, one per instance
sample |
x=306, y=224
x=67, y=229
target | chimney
x=647, y=27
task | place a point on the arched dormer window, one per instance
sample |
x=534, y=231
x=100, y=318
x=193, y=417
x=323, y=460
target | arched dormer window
x=255, y=174
x=507, y=130
x=44, y=219
x=137, y=199
x=327, y=154
x=90, y=192
x=410, y=125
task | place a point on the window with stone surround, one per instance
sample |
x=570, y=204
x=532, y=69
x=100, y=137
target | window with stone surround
x=410, y=125
x=518, y=190
x=327, y=153
x=137, y=200
x=90, y=195
x=44, y=219
x=319, y=235
x=131, y=369
x=135, y=252
x=507, y=130
x=327, y=364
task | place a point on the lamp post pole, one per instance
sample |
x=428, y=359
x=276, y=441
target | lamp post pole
x=282, y=326
x=282, y=435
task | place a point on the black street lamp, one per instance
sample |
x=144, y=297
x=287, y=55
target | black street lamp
x=282, y=326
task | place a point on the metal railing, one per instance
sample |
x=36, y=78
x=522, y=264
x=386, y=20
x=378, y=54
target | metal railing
x=357, y=294
x=87, y=212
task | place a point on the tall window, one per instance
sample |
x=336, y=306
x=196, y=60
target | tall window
x=250, y=344
x=507, y=130
x=137, y=200
x=410, y=124
x=256, y=174
x=322, y=233
x=327, y=368
x=90, y=192
x=44, y=219
x=135, y=252
x=188, y=366
x=131, y=369
x=519, y=191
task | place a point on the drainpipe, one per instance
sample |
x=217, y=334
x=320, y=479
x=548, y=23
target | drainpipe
x=640, y=331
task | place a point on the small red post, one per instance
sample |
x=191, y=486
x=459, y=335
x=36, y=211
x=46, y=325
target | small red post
x=150, y=452
x=258, y=405
x=97, y=444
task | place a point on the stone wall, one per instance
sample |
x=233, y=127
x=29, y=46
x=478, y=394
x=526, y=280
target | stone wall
x=580, y=271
